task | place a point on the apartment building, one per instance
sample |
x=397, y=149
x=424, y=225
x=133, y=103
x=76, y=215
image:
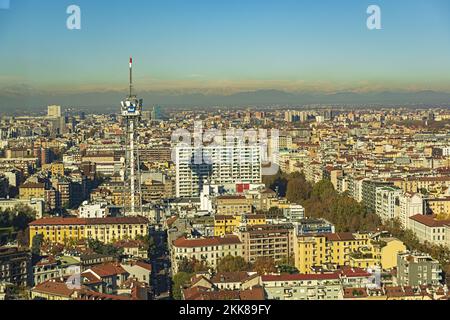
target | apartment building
x=416, y=269
x=325, y=286
x=387, y=199
x=410, y=204
x=270, y=241
x=227, y=224
x=219, y=165
x=106, y=230
x=210, y=250
x=329, y=250
x=15, y=266
x=233, y=205
x=416, y=184
x=29, y=191
x=294, y=212
x=439, y=206
x=369, y=193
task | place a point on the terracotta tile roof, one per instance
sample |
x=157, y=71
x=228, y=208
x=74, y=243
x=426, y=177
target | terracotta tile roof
x=107, y=270
x=171, y=221
x=54, y=287
x=254, y=294
x=343, y=236
x=430, y=221
x=354, y=272
x=231, y=198
x=206, y=242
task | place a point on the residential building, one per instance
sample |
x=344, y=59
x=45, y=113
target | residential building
x=429, y=229
x=325, y=286
x=233, y=205
x=228, y=224
x=15, y=266
x=416, y=269
x=219, y=165
x=106, y=230
x=210, y=250
x=269, y=241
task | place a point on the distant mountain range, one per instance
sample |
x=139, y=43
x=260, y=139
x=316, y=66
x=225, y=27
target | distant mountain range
x=33, y=100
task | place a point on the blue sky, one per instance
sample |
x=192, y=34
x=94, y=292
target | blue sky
x=235, y=44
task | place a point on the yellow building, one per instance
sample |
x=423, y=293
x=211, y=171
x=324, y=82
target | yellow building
x=30, y=191
x=225, y=224
x=440, y=207
x=356, y=250
x=331, y=249
x=56, y=168
x=106, y=230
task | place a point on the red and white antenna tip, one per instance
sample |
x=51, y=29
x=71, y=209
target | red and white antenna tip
x=131, y=62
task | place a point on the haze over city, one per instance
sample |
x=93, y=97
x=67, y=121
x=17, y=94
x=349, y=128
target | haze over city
x=209, y=52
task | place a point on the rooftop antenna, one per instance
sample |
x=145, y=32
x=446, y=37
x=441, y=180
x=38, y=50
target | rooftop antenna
x=131, y=78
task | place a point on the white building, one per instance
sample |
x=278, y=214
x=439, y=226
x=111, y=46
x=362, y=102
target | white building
x=209, y=250
x=98, y=210
x=386, y=199
x=410, y=204
x=36, y=204
x=428, y=229
x=220, y=165
x=294, y=212
x=206, y=198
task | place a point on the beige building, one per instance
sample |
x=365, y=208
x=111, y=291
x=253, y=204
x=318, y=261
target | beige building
x=233, y=205
x=210, y=250
x=269, y=241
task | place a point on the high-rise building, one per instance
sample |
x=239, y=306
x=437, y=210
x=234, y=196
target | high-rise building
x=54, y=111
x=156, y=113
x=220, y=165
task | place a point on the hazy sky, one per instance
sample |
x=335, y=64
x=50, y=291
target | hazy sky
x=226, y=45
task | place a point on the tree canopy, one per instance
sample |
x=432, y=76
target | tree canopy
x=264, y=265
x=232, y=264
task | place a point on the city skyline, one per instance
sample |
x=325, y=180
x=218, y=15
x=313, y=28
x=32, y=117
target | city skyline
x=188, y=52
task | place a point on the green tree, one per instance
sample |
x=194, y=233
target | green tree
x=104, y=249
x=192, y=265
x=232, y=264
x=298, y=189
x=179, y=281
x=264, y=265
x=36, y=244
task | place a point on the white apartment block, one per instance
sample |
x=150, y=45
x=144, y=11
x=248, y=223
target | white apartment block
x=410, y=204
x=90, y=211
x=218, y=165
x=210, y=250
x=294, y=212
x=386, y=199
